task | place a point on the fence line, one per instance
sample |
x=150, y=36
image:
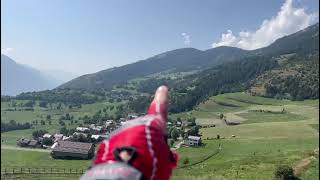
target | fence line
x=26, y=170
x=46, y=170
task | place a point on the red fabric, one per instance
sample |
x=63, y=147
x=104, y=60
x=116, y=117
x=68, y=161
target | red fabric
x=156, y=164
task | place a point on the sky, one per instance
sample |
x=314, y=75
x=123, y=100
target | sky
x=86, y=36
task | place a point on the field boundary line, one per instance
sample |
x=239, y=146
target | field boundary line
x=201, y=161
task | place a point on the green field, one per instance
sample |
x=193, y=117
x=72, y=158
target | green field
x=262, y=141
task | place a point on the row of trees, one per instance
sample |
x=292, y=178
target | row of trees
x=65, y=96
x=13, y=125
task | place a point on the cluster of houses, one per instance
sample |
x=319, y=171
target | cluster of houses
x=190, y=140
x=64, y=147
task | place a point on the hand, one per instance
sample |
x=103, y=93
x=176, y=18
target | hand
x=141, y=143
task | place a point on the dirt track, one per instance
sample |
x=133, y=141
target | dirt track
x=302, y=165
x=23, y=149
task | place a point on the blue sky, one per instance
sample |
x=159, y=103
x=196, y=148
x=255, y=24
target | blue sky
x=85, y=36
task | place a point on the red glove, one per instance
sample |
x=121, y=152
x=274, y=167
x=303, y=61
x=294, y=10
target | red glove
x=145, y=142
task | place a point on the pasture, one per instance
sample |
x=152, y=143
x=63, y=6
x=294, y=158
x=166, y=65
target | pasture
x=264, y=139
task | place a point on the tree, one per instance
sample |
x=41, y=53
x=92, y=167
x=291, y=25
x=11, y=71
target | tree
x=192, y=121
x=59, y=106
x=13, y=125
x=186, y=161
x=194, y=131
x=80, y=138
x=43, y=122
x=221, y=116
x=48, y=117
x=49, y=122
x=43, y=104
x=174, y=134
x=47, y=141
x=63, y=130
x=61, y=122
x=67, y=116
x=39, y=133
x=284, y=172
x=28, y=104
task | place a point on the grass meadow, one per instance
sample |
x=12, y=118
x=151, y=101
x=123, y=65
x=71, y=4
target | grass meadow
x=262, y=141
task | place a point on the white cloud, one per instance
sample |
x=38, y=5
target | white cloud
x=288, y=20
x=186, y=38
x=6, y=50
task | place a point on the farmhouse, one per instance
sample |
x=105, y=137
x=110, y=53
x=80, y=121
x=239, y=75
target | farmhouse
x=96, y=137
x=193, y=141
x=132, y=116
x=78, y=134
x=97, y=128
x=23, y=142
x=33, y=143
x=66, y=138
x=27, y=143
x=57, y=137
x=82, y=129
x=72, y=150
x=47, y=135
x=108, y=122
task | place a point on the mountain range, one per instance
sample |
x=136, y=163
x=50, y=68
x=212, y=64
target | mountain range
x=17, y=78
x=190, y=59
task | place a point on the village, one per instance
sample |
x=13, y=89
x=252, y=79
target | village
x=82, y=143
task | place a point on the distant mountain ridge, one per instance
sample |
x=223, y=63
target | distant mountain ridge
x=178, y=60
x=17, y=78
x=188, y=59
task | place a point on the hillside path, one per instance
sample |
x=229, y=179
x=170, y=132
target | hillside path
x=302, y=165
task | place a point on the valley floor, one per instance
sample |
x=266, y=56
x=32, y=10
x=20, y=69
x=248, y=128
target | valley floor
x=272, y=132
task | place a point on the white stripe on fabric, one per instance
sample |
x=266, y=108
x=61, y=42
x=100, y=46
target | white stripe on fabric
x=106, y=150
x=158, y=108
x=149, y=141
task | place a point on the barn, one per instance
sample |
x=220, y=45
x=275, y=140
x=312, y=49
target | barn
x=72, y=150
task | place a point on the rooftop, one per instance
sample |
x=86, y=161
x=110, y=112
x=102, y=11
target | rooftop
x=197, y=138
x=72, y=147
x=33, y=143
x=47, y=135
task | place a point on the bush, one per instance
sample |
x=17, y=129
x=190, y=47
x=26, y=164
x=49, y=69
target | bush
x=186, y=160
x=174, y=134
x=171, y=142
x=47, y=141
x=62, y=123
x=38, y=133
x=284, y=172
